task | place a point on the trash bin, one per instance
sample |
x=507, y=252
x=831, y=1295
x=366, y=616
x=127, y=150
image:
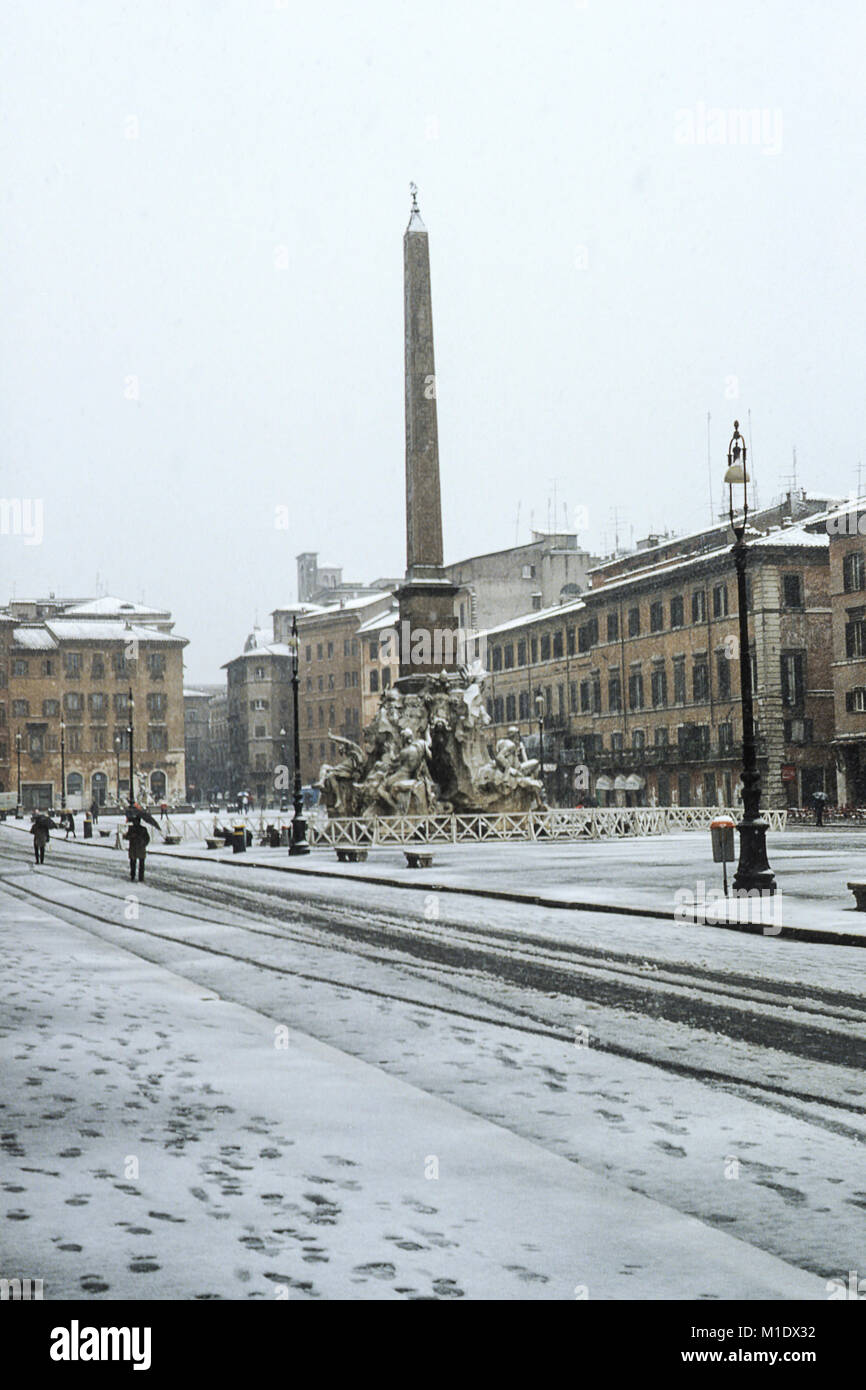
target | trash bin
x=239, y=839
x=88, y=826
x=722, y=836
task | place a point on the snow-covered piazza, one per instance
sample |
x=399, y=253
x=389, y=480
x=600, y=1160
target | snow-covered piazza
x=264, y=1077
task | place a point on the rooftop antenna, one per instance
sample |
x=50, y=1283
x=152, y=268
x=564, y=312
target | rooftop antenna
x=615, y=515
x=859, y=477
x=517, y=526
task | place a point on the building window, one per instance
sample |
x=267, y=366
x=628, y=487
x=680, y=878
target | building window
x=700, y=682
x=723, y=676
x=157, y=702
x=534, y=649
x=523, y=705
x=386, y=678
x=614, y=692
x=657, y=616
x=659, y=687
x=497, y=658
x=98, y=703
x=572, y=697
x=638, y=740
x=679, y=680
x=585, y=697
x=73, y=702
x=720, y=601
x=557, y=645
x=570, y=645
x=613, y=627
x=677, y=610
x=853, y=571
x=855, y=700
x=374, y=681
x=72, y=664
x=855, y=639
x=634, y=622
x=793, y=679
x=497, y=710
x=510, y=707
x=50, y=708
x=521, y=653
x=21, y=709
x=699, y=606
x=319, y=651
x=259, y=673
x=545, y=646
x=660, y=738
x=119, y=666
x=157, y=740
x=616, y=742
x=792, y=591
x=19, y=668
x=635, y=690
x=97, y=668
x=308, y=653
x=726, y=738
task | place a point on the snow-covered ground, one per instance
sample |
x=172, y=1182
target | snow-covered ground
x=715, y=1074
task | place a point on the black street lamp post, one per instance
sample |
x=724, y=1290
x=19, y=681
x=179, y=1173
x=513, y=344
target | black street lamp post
x=18, y=751
x=298, y=843
x=130, y=729
x=117, y=747
x=63, y=764
x=753, y=871
x=539, y=710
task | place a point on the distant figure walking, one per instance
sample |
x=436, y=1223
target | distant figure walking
x=138, y=841
x=94, y=810
x=40, y=830
x=70, y=825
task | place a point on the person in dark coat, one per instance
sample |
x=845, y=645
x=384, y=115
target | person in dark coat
x=94, y=810
x=40, y=829
x=138, y=841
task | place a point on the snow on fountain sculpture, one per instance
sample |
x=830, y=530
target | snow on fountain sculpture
x=430, y=751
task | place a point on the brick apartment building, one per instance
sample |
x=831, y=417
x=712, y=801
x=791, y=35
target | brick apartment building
x=70, y=666
x=639, y=679
x=258, y=716
x=847, y=540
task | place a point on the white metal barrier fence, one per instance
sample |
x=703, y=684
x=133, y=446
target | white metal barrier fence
x=554, y=824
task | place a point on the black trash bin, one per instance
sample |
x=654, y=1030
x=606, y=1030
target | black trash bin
x=88, y=826
x=239, y=839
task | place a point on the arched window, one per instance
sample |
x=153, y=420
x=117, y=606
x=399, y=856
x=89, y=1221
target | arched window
x=74, y=784
x=157, y=786
x=99, y=787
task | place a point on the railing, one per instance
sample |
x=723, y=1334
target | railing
x=613, y=822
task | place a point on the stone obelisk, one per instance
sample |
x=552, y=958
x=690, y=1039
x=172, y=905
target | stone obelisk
x=426, y=597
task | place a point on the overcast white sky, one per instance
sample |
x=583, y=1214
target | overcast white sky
x=209, y=198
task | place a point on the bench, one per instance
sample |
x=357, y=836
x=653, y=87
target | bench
x=418, y=858
x=215, y=842
x=171, y=839
x=859, y=891
x=351, y=856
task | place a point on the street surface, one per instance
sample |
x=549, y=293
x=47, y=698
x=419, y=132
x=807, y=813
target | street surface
x=641, y=1090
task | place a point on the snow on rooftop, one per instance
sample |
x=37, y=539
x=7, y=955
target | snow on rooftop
x=35, y=639
x=98, y=630
x=111, y=606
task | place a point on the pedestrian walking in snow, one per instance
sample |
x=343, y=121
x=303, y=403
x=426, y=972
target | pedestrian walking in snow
x=40, y=829
x=137, y=840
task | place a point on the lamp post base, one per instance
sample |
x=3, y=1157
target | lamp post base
x=298, y=843
x=754, y=874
